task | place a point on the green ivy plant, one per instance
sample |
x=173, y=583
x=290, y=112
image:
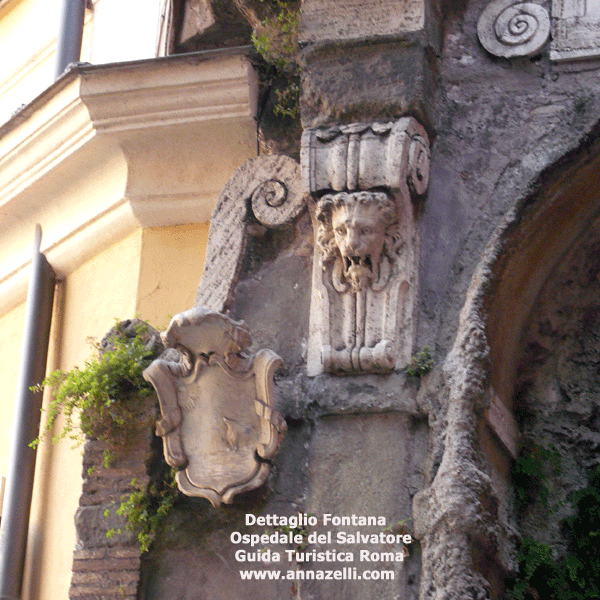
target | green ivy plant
x=420, y=363
x=575, y=575
x=529, y=474
x=146, y=508
x=276, y=40
x=298, y=530
x=99, y=400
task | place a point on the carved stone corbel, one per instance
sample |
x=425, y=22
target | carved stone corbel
x=219, y=426
x=362, y=178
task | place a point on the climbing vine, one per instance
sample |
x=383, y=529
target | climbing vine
x=276, y=40
x=529, y=474
x=146, y=508
x=543, y=573
x=100, y=399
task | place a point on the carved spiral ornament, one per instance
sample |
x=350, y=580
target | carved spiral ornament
x=272, y=192
x=510, y=29
x=268, y=201
x=514, y=27
x=270, y=188
x=418, y=176
x=275, y=202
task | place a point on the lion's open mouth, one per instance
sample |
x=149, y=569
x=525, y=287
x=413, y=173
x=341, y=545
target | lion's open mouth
x=353, y=262
x=358, y=272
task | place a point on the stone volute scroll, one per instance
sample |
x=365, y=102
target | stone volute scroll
x=219, y=426
x=510, y=28
x=362, y=179
x=265, y=191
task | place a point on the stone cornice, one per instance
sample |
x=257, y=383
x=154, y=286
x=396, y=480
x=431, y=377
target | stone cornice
x=110, y=148
x=196, y=90
x=35, y=144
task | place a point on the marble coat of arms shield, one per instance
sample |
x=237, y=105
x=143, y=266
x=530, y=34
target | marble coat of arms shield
x=218, y=425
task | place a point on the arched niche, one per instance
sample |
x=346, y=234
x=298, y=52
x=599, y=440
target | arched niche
x=529, y=248
x=557, y=406
x=529, y=273
x=465, y=519
x=544, y=337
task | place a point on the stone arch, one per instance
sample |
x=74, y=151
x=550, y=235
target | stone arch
x=463, y=519
x=529, y=247
x=557, y=405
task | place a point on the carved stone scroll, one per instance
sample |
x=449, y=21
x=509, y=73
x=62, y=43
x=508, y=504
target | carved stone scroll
x=219, y=426
x=265, y=189
x=510, y=28
x=362, y=178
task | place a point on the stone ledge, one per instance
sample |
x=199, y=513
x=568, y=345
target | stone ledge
x=128, y=577
x=97, y=553
x=129, y=136
x=331, y=20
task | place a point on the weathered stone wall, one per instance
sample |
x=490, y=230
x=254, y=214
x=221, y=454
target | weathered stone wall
x=502, y=130
x=509, y=139
x=501, y=124
x=557, y=398
x=355, y=445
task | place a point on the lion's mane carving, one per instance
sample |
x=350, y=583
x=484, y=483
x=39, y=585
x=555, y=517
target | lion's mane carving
x=359, y=235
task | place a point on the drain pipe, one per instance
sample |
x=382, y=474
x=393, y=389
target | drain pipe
x=68, y=48
x=26, y=425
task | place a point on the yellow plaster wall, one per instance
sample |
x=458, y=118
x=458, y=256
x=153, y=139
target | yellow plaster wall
x=153, y=273
x=28, y=37
x=11, y=335
x=87, y=303
x=171, y=267
x=28, y=32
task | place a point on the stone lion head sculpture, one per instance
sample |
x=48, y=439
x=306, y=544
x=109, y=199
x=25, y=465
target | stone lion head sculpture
x=358, y=232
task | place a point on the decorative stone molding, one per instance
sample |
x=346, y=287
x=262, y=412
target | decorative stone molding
x=509, y=28
x=575, y=30
x=130, y=135
x=362, y=178
x=265, y=189
x=218, y=423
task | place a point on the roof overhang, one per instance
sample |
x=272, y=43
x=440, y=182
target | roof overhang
x=111, y=148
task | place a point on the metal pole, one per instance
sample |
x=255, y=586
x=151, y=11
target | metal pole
x=71, y=32
x=26, y=424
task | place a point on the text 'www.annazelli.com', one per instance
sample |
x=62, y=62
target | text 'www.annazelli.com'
x=347, y=573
